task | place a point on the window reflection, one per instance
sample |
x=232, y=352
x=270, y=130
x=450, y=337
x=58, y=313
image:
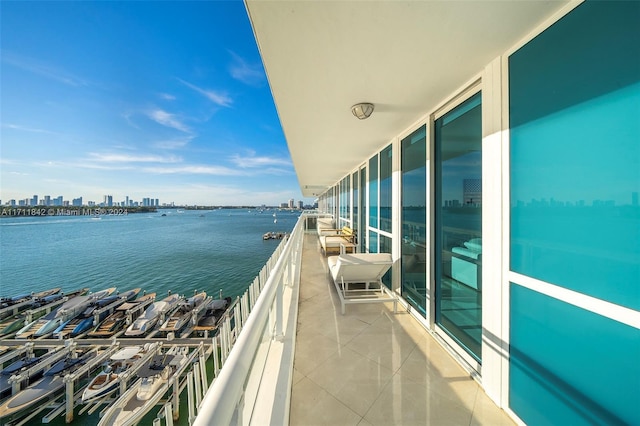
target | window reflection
x=414, y=218
x=458, y=164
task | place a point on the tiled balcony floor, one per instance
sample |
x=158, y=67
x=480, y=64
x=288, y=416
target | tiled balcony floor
x=374, y=367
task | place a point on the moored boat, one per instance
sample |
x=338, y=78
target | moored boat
x=16, y=367
x=29, y=329
x=128, y=311
x=85, y=320
x=212, y=313
x=183, y=314
x=72, y=309
x=43, y=389
x=151, y=316
x=108, y=379
x=10, y=306
x=147, y=391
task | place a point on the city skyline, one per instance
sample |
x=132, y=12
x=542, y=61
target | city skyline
x=111, y=201
x=139, y=98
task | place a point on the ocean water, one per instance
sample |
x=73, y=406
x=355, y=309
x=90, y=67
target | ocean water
x=182, y=252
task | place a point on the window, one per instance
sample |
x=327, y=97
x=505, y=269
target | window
x=458, y=224
x=414, y=219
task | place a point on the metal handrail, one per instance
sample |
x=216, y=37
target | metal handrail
x=221, y=401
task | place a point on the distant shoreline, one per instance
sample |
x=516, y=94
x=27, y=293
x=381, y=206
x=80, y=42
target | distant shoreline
x=45, y=211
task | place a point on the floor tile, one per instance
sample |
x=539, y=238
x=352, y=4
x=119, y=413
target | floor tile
x=312, y=405
x=352, y=378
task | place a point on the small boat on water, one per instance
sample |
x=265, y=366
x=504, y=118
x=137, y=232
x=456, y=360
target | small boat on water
x=128, y=311
x=152, y=314
x=147, y=391
x=45, y=388
x=183, y=314
x=107, y=381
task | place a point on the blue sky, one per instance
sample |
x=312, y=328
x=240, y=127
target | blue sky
x=162, y=99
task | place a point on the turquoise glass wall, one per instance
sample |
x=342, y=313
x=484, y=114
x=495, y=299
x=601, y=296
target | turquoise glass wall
x=386, y=190
x=570, y=366
x=575, y=153
x=574, y=106
x=413, y=260
x=373, y=191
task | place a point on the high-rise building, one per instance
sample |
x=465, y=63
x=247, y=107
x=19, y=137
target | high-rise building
x=77, y=202
x=291, y=205
x=34, y=200
x=108, y=200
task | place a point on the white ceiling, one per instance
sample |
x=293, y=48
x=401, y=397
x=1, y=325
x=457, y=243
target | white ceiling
x=406, y=57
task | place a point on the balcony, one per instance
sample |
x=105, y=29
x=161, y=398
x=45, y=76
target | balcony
x=369, y=366
x=372, y=366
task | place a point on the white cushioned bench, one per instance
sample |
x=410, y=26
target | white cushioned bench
x=358, y=278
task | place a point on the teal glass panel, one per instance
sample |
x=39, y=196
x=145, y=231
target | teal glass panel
x=373, y=191
x=373, y=242
x=458, y=224
x=386, y=169
x=414, y=219
x=574, y=94
x=363, y=217
x=569, y=366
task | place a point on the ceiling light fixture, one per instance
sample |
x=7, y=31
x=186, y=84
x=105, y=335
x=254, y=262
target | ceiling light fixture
x=362, y=110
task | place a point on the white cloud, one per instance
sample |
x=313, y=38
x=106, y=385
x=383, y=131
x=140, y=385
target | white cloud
x=218, y=98
x=167, y=97
x=253, y=161
x=167, y=119
x=45, y=70
x=173, y=143
x=194, y=170
x=27, y=129
x=251, y=74
x=128, y=158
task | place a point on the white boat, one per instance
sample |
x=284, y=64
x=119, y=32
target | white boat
x=43, y=389
x=183, y=314
x=151, y=315
x=128, y=311
x=108, y=379
x=147, y=391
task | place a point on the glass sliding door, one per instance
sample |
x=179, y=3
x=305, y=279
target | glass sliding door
x=355, y=223
x=458, y=224
x=386, y=170
x=362, y=227
x=373, y=191
x=414, y=219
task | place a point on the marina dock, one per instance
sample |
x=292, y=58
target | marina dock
x=34, y=362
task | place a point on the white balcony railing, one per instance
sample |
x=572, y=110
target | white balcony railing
x=257, y=345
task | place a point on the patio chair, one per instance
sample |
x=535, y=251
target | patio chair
x=358, y=278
